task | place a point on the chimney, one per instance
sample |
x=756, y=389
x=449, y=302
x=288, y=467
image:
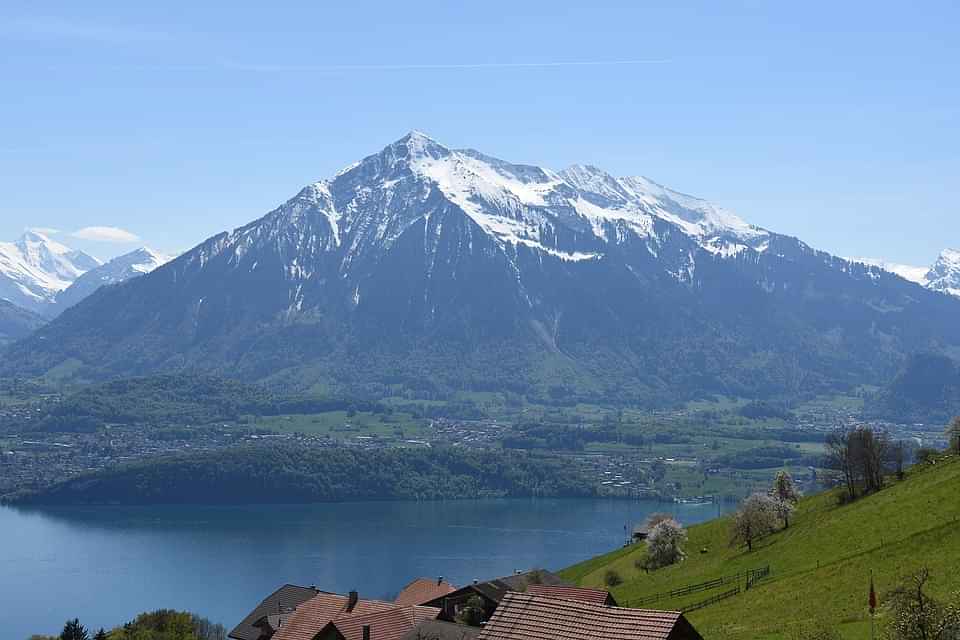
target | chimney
x=366, y=632
x=352, y=601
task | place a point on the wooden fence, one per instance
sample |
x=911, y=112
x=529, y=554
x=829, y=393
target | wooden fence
x=712, y=600
x=752, y=576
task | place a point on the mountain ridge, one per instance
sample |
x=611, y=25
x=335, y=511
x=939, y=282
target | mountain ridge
x=431, y=269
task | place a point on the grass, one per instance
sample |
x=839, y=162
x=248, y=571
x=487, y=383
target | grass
x=338, y=424
x=820, y=565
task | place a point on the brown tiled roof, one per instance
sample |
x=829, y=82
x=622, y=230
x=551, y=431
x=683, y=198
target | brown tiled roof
x=521, y=616
x=314, y=614
x=283, y=600
x=391, y=624
x=580, y=594
x=496, y=589
x=423, y=590
x=440, y=630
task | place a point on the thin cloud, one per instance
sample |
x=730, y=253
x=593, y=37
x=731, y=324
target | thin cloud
x=105, y=234
x=244, y=67
x=46, y=231
x=57, y=29
x=270, y=68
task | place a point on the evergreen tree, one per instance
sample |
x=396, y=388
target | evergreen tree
x=101, y=635
x=73, y=630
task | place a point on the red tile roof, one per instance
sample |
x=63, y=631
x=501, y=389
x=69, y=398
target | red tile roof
x=521, y=616
x=283, y=600
x=314, y=614
x=423, y=590
x=594, y=596
x=392, y=624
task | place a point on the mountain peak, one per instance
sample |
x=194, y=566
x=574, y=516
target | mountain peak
x=31, y=238
x=950, y=255
x=416, y=145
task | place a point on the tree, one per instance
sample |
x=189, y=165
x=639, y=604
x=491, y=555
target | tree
x=101, y=635
x=914, y=615
x=73, y=630
x=611, y=578
x=756, y=517
x=665, y=544
x=472, y=613
x=656, y=518
x=858, y=455
x=785, y=494
x=953, y=433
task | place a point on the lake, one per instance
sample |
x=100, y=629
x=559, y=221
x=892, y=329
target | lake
x=106, y=564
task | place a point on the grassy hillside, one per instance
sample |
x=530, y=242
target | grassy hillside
x=820, y=565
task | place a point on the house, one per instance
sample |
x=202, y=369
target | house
x=390, y=624
x=640, y=533
x=314, y=616
x=273, y=610
x=522, y=616
x=423, y=590
x=491, y=592
x=579, y=594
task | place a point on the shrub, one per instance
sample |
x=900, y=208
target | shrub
x=611, y=578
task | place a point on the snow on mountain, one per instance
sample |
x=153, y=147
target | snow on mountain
x=905, y=271
x=944, y=275
x=34, y=269
x=424, y=258
x=523, y=205
x=120, y=269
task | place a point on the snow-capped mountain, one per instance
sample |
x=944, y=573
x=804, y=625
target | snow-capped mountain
x=430, y=269
x=120, y=269
x=34, y=269
x=943, y=276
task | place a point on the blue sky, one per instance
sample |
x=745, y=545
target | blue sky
x=834, y=122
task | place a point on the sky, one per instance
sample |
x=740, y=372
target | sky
x=123, y=124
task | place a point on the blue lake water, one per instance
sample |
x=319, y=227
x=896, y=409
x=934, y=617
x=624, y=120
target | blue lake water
x=106, y=564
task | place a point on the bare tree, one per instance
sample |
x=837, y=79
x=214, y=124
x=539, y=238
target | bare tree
x=839, y=458
x=756, y=517
x=858, y=455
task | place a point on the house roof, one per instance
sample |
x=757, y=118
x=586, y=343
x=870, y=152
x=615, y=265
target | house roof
x=314, y=614
x=496, y=589
x=579, y=594
x=440, y=630
x=392, y=624
x=522, y=616
x=283, y=600
x=423, y=590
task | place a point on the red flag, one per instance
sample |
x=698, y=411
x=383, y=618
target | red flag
x=873, y=595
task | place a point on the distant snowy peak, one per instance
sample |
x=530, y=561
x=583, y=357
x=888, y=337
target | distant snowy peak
x=905, y=271
x=34, y=269
x=944, y=275
x=120, y=269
